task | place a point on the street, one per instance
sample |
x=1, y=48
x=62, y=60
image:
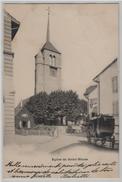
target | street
x=45, y=150
x=62, y=145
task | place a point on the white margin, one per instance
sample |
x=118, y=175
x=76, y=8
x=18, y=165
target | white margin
x=1, y=94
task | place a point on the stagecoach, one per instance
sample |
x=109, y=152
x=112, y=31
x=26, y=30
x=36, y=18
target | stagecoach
x=100, y=130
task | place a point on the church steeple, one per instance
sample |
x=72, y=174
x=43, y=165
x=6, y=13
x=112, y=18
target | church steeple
x=47, y=65
x=48, y=45
x=48, y=26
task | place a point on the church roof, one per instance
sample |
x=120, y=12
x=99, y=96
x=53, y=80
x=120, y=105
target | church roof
x=49, y=46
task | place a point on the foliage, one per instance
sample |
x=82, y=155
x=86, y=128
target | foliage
x=37, y=105
x=52, y=108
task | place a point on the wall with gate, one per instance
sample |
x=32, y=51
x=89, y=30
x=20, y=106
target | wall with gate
x=43, y=130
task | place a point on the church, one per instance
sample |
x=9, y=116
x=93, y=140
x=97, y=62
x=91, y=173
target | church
x=47, y=79
x=47, y=66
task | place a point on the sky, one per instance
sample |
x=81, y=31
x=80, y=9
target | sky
x=85, y=34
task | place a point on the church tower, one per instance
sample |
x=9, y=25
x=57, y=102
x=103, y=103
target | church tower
x=48, y=66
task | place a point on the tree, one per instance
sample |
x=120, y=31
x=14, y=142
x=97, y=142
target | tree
x=37, y=105
x=53, y=108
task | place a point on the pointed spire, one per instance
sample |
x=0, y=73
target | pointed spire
x=48, y=45
x=48, y=26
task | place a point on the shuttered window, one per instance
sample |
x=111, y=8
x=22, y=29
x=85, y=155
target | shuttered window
x=115, y=108
x=115, y=84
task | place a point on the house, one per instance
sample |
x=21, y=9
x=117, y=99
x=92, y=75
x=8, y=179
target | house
x=11, y=26
x=92, y=97
x=107, y=83
x=24, y=119
x=108, y=92
x=103, y=98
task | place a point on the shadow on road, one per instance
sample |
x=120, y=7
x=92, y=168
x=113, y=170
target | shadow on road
x=85, y=144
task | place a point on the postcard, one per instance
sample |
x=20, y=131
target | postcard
x=61, y=90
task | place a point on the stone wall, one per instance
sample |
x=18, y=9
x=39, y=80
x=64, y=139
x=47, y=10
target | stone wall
x=44, y=81
x=8, y=89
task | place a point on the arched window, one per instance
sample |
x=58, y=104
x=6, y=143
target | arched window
x=50, y=60
x=54, y=61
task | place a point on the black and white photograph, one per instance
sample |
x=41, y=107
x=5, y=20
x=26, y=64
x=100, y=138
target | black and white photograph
x=60, y=90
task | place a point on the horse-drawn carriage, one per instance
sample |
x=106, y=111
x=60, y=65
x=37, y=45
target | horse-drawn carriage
x=100, y=130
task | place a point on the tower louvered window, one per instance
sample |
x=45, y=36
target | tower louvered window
x=52, y=60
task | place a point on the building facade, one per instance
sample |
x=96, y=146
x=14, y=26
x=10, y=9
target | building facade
x=24, y=120
x=91, y=95
x=107, y=82
x=47, y=67
x=105, y=96
x=108, y=92
x=11, y=26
